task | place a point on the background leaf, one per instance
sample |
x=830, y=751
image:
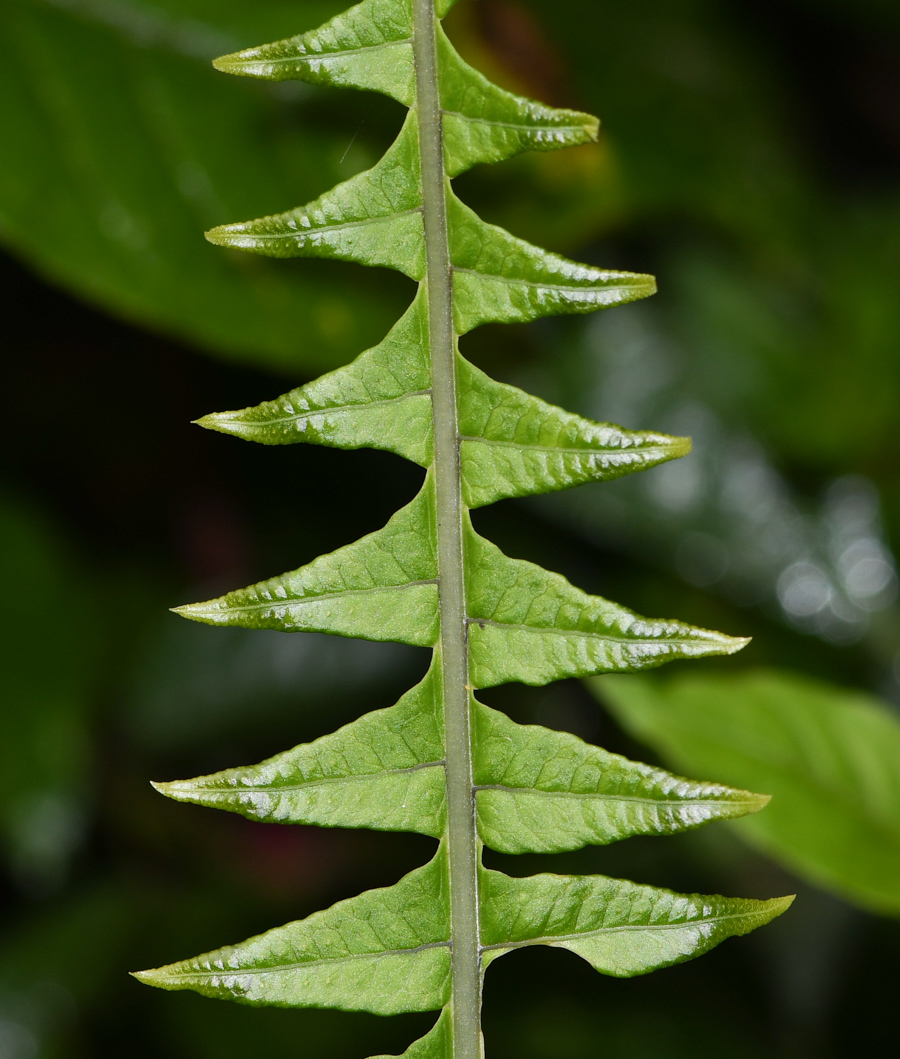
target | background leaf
x=830, y=759
x=123, y=144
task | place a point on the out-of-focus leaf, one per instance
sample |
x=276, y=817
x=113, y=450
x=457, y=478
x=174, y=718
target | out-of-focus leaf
x=121, y=144
x=830, y=758
x=56, y=961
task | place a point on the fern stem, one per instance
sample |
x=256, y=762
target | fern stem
x=461, y=835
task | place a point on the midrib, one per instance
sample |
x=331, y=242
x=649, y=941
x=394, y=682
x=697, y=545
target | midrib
x=462, y=843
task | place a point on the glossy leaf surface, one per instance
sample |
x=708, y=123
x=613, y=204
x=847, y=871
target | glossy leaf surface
x=620, y=929
x=383, y=587
x=536, y=790
x=513, y=444
x=500, y=279
x=386, y=951
x=369, y=46
x=439, y=762
x=540, y=791
x=528, y=625
x=374, y=219
x=381, y=400
x=383, y=771
x=807, y=744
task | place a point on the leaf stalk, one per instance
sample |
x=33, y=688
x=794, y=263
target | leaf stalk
x=462, y=839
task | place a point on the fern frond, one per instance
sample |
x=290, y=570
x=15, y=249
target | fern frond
x=439, y=762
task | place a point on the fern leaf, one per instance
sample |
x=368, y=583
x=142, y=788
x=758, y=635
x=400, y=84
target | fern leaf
x=485, y=123
x=369, y=46
x=382, y=400
x=528, y=625
x=513, y=444
x=375, y=218
x=540, y=791
x=621, y=929
x=383, y=587
x=386, y=951
x=498, y=279
x=439, y=762
x=383, y=771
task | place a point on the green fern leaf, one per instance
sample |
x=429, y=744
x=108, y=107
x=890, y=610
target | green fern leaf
x=386, y=951
x=539, y=791
x=375, y=218
x=525, y=624
x=620, y=928
x=369, y=46
x=485, y=123
x=383, y=771
x=439, y=762
x=382, y=400
x=383, y=587
x=513, y=444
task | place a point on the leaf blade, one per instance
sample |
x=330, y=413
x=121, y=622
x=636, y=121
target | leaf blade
x=484, y=123
x=498, y=278
x=382, y=587
x=382, y=400
x=540, y=791
x=531, y=626
x=620, y=928
x=386, y=951
x=368, y=47
x=516, y=445
x=384, y=771
x=375, y=218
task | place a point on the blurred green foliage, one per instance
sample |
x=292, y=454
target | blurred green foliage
x=47, y=687
x=829, y=758
x=750, y=156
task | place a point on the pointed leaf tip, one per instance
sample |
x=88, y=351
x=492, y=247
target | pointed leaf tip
x=206, y=612
x=168, y=788
x=225, y=235
x=218, y=421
